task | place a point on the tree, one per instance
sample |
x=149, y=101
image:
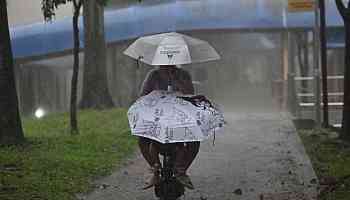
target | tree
x=323, y=43
x=345, y=13
x=303, y=59
x=11, y=131
x=95, y=85
x=48, y=8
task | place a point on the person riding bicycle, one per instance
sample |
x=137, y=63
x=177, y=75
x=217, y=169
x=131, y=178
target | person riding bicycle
x=181, y=81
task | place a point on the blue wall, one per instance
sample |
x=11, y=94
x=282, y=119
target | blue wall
x=169, y=15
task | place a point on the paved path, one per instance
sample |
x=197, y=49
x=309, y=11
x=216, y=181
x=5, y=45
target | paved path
x=259, y=154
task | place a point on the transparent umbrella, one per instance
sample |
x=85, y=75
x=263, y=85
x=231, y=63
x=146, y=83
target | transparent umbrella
x=171, y=49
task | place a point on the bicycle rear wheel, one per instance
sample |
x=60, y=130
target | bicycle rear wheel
x=169, y=188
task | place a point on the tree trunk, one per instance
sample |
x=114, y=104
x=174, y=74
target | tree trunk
x=10, y=122
x=95, y=85
x=345, y=13
x=323, y=38
x=346, y=100
x=74, y=84
x=303, y=59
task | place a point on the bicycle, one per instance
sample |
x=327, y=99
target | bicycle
x=169, y=188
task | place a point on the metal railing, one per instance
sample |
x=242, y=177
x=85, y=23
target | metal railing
x=308, y=94
x=333, y=105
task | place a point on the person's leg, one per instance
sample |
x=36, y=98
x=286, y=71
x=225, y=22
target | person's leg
x=150, y=152
x=180, y=164
x=144, y=145
x=192, y=149
x=154, y=152
x=184, y=157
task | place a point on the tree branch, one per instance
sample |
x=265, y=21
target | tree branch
x=299, y=49
x=75, y=3
x=344, y=12
x=80, y=4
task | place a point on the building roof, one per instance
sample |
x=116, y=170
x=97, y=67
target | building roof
x=155, y=16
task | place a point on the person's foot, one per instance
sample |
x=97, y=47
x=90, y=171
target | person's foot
x=185, y=180
x=152, y=181
x=154, y=178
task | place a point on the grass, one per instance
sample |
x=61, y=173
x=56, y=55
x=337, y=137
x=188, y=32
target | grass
x=330, y=157
x=55, y=165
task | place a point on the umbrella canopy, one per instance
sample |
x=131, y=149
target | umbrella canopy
x=171, y=49
x=167, y=118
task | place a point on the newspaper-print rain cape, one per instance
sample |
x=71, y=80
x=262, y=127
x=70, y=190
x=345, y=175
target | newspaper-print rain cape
x=167, y=118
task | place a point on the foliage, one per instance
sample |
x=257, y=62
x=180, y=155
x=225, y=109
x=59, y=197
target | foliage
x=55, y=165
x=331, y=160
x=50, y=6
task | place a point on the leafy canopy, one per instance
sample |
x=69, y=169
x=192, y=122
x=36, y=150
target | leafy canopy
x=49, y=7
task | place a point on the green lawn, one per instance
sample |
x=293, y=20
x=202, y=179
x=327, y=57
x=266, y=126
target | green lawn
x=54, y=165
x=331, y=160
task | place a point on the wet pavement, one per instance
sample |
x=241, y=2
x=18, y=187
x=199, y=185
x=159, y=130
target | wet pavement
x=260, y=156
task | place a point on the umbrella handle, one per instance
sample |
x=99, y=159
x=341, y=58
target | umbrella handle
x=170, y=82
x=170, y=88
x=139, y=61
